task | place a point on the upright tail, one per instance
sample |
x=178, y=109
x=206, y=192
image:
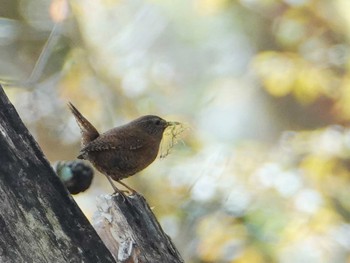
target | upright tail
x=88, y=131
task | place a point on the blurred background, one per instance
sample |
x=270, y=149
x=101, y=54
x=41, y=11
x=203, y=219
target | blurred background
x=262, y=174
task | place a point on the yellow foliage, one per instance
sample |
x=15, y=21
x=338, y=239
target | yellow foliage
x=317, y=166
x=287, y=73
x=277, y=72
x=250, y=255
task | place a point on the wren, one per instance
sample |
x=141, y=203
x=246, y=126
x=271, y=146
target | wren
x=122, y=151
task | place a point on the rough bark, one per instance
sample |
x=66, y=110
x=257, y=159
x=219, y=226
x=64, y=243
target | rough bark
x=39, y=221
x=132, y=233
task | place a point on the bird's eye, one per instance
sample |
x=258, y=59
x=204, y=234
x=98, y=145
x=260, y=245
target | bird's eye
x=157, y=122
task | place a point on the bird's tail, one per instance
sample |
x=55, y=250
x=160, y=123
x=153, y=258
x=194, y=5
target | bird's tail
x=88, y=131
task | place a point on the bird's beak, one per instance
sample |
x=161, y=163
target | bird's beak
x=171, y=123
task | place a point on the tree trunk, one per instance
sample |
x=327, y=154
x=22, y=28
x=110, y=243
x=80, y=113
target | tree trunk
x=131, y=231
x=39, y=221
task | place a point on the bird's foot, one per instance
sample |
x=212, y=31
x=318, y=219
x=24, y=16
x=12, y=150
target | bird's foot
x=122, y=193
x=130, y=190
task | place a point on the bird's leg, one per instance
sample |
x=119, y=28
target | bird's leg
x=116, y=190
x=128, y=187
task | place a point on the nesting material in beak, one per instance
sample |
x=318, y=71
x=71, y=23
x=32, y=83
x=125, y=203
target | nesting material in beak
x=171, y=136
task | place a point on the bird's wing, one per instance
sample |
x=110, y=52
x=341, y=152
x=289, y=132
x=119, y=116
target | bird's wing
x=113, y=143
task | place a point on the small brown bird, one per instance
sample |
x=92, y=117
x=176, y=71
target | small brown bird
x=124, y=150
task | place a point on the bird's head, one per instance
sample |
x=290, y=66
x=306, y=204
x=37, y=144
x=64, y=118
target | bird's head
x=152, y=124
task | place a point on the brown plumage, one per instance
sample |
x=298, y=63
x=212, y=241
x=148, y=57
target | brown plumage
x=121, y=151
